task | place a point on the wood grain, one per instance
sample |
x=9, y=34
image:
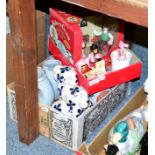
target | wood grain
x=23, y=32
x=41, y=41
x=138, y=3
x=9, y=60
x=134, y=11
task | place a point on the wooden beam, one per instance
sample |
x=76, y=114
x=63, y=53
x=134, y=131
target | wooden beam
x=23, y=32
x=134, y=11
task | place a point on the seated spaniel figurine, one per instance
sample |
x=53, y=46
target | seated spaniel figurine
x=125, y=135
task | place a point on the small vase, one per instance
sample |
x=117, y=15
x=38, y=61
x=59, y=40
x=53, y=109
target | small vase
x=46, y=92
x=48, y=67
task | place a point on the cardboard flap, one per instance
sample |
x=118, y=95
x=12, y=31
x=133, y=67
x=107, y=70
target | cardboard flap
x=83, y=149
x=96, y=147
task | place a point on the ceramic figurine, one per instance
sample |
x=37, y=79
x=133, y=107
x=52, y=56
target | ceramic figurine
x=83, y=22
x=93, y=24
x=48, y=67
x=85, y=38
x=60, y=106
x=112, y=150
x=105, y=46
x=45, y=89
x=65, y=75
x=86, y=63
x=121, y=57
x=69, y=108
x=106, y=41
x=122, y=51
x=126, y=134
x=85, y=41
x=92, y=66
x=75, y=94
x=56, y=71
x=95, y=51
x=68, y=88
x=73, y=98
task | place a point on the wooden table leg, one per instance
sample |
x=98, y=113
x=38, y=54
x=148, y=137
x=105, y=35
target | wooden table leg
x=23, y=32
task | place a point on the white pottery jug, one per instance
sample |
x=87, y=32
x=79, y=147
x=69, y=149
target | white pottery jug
x=45, y=90
x=48, y=67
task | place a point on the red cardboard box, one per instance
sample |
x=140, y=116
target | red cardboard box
x=67, y=31
x=65, y=28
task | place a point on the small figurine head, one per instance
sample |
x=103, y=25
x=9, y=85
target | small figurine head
x=121, y=131
x=105, y=29
x=111, y=150
x=83, y=22
x=105, y=36
x=94, y=48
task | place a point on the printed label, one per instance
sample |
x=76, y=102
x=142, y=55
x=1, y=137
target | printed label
x=61, y=129
x=92, y=82
x=94, y=118
x=44, y=121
